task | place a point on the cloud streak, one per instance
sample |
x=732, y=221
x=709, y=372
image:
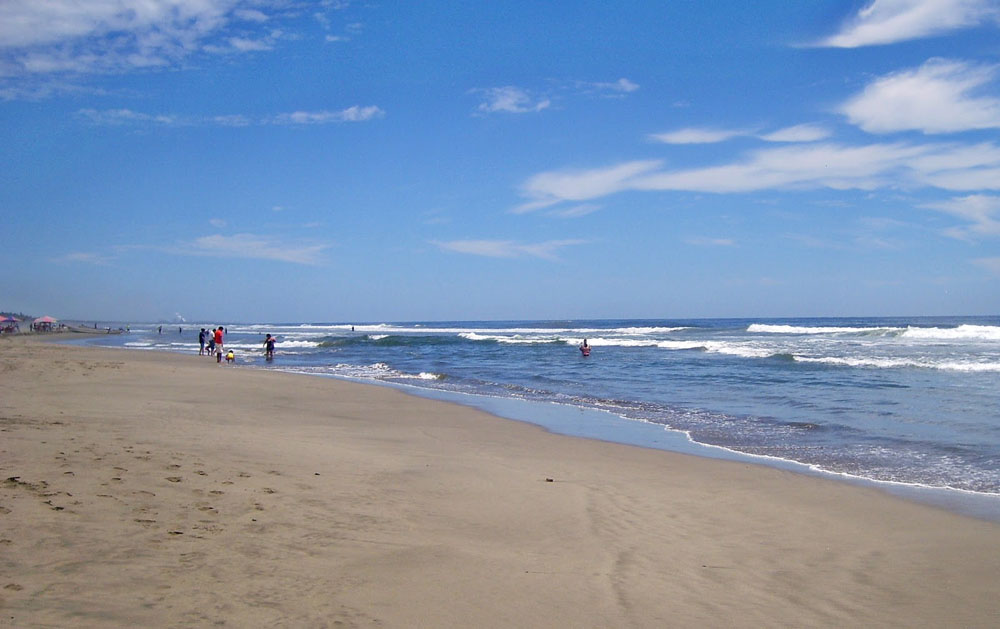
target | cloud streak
x=100, y=36
x=128, y=117
x=702, y=135
x=510, y=99
x=938, y=97
x=982, y=213
x=547, y=250
x=253, y=247
x=833, y=166
x=891, y=21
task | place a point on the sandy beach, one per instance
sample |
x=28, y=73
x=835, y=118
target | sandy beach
x=152, y=489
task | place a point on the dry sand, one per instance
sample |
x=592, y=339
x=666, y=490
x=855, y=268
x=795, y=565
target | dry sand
x=146, y=489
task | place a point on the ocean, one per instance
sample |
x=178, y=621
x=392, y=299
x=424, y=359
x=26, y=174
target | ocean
x=904, y=403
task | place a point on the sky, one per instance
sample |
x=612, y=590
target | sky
x=375, y=160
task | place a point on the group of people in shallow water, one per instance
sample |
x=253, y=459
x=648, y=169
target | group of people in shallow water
x=211, y=343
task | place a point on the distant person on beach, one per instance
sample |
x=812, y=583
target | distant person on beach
x=585, y=349
x=269, y=347
x=159, y=330
x=201, y=342
x=218, y=339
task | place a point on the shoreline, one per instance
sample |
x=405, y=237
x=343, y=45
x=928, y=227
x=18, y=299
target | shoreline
x=156, y=488
x=961, y=501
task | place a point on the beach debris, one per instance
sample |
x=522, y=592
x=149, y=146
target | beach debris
x=550, y=480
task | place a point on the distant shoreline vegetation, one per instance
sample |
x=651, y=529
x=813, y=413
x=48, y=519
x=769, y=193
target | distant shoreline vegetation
x=17, y=315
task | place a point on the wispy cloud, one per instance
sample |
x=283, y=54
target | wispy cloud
x=351, y=114
x=70, y=37
x=694, y=135
x=711, y=242
x=982, y=212
x=550, y=188
x=255, y=247
x=703, y=135
x=510, y=99
x=798, y=133
x=508, y=248
x=937, y=97
x=891, y=21
x=807, y=166
x=122, y=117
x=576, y=211
x=609, y=89
x=990, y=264
x=80, y=257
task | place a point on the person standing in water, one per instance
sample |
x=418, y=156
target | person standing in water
x=585, y=349
x=269, y=347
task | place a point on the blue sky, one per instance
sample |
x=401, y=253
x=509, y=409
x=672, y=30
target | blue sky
x=384, y=161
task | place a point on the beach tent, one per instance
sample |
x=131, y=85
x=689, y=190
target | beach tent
x=9, y=324
x=43, y=324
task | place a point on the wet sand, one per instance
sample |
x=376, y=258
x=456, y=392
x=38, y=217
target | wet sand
x=150, y=489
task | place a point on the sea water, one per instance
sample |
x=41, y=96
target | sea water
x=911, y=402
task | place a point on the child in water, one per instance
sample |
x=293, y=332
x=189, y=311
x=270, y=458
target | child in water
x=230, y=357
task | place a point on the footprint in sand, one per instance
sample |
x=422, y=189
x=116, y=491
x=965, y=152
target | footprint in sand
x=174, y=479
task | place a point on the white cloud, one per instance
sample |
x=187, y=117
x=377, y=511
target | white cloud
x=217, y=222
x=254, y=247
x=937, y=97
x=117, y=117
x=702, y=135
x=990, y=264
x=694, y=135
x=251, y=15
x=68, y=37
x=232, y=120
x=798, y=133
x=243, y=44
x=577, y=211
x=508, y=248
x=613, y=88
x=82, y=258
x=510, y=99
x=711, y=242
x=890, y=21
x=545, y=189
x=121, y=117
x=794, y=167
x=982, y=212
x=351, y=114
